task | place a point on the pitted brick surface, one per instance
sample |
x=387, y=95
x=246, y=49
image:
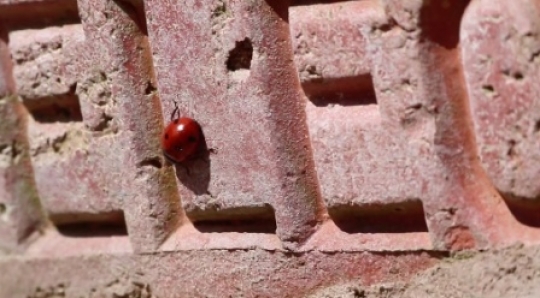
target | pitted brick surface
x=502, y=61
x=217, y=273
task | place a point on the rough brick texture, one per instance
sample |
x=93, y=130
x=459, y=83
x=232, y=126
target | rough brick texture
x=355, y=140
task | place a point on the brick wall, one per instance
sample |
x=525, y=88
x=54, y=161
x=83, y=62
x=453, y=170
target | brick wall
x=356, y=140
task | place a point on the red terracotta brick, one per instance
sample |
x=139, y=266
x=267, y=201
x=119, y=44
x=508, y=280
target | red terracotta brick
x=380, y=103
x=388, y=126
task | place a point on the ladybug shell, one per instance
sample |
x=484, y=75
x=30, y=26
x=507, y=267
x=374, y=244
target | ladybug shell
x=181, y=139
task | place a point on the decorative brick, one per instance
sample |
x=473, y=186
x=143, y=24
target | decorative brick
x=352, y=140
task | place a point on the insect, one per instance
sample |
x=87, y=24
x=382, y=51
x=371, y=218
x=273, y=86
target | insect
x=181, y=139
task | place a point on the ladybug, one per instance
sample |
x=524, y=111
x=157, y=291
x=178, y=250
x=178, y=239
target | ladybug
x=181, y=139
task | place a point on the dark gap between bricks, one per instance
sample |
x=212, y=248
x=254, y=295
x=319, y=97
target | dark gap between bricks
x=259, y=220
x=62, y=108
x=347, y=91
x=405, y=217
x=525, y=211
x=87, y=225
x=39, y=14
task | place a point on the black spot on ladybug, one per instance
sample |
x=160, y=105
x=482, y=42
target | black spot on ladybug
x=175, y=121
x=166, y=136
x=192, y=139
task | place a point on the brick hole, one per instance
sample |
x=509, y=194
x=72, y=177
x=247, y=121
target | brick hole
x=39, y=14
x=81, y=225
x=238, y=220
x=351, y=91
x=406, y=217
x=150, y=88
x=516, y=75
x=524, y=210
x=3, y=208
x=489, y=90
x=240, y=57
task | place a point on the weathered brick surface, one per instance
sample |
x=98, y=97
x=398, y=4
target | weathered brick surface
x=231, y=273
x=326, y=40
x=501, y=65
x=234, y=73
x=21, y=215
x=338, y=128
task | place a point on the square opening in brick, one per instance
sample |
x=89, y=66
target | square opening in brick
x=64, y=108
x=85, y=225
x=260, y=220
x=406, y=217
x=347, y=91
x=39, y=14
x=523, y=210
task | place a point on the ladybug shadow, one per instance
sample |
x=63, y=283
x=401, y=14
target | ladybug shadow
x=195, y=172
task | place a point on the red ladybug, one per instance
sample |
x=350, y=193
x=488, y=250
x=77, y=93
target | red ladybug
x=181, y=139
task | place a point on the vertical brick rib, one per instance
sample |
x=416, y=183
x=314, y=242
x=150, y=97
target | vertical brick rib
x=229, y=64
x=20, y=209
x=466, y=190
x=419, y=80
x=298, y=205
x=148, y=197
x=505, y=108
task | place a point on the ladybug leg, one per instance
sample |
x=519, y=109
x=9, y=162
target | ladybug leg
x=205, y=153
x=176, y=109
